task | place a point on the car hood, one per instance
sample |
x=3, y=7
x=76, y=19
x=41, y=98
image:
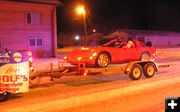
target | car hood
x=82, y=52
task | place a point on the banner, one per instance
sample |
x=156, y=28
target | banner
x=14, y=72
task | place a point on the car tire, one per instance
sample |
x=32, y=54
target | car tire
x=136, y=72
x=149, y=70
x=102, y=60
x=145, y=57
x=4, y=96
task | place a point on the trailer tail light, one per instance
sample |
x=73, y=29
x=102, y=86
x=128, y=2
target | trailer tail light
x=85, y=74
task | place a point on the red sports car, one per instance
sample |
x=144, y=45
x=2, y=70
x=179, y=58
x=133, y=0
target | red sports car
x=115, y=52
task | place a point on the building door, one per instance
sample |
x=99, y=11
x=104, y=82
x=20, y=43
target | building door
x=141, y=39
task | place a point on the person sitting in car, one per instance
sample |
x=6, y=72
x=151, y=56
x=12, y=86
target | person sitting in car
x=129, y=44
x=120, y=44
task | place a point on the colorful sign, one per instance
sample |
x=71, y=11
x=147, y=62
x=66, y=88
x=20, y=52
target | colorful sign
x=14, y=72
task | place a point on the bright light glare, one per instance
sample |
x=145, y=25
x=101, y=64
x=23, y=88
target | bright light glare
x=85, y=74
x=31, y=59
x=90, y=57
x=94, y=54
x=65, y=58
x=94, y=30
x=83, y=48
x=77, y=37
x=80, y=10
x=128, y=69
x=79, y=58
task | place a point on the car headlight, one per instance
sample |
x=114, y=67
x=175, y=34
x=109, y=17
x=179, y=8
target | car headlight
x=90, y=57
x=94, y=54
x=79, y=58
x=65, y=58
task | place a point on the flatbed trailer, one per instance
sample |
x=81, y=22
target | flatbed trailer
x=134, y=69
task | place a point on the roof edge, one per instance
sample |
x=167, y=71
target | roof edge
x=56, y=4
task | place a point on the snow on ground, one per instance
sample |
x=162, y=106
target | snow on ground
x=44, y=64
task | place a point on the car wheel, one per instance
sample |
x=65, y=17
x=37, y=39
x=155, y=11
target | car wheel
x=4, y=96
x=102, y=60
x=145, y=57
x=149, y=70
x=136, y=72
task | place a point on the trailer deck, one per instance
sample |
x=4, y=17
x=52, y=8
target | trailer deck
x=134, y=69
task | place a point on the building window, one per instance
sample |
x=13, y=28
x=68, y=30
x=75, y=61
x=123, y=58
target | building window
x=28, y=18
x=35, y=42
x=32, y=42
x=33, y=18
x=39, y=42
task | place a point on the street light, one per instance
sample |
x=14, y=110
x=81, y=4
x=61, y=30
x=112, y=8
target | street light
x=94, y=30
x=82, y=11
x=77, y=37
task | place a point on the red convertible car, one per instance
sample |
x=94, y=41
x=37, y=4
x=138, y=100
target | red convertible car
x=114, y=52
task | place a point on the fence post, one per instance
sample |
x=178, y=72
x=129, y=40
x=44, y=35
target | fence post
x=51, y=71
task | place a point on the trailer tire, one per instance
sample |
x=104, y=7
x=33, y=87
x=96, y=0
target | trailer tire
x=4, y=96
x=136, y=72
x=149, y=70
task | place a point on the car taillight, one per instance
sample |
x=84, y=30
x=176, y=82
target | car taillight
x=30, y=61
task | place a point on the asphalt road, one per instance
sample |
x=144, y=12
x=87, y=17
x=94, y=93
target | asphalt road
x=114, y=93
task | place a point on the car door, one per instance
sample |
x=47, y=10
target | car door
x=117, y=54
x=135, y=52
x=123, y=55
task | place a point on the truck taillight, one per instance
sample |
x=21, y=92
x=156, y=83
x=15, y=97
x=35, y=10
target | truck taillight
x=30, y=61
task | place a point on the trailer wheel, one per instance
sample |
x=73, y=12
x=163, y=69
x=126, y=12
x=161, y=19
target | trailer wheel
x=4, y=96
x=136, y=72
x=149, y=70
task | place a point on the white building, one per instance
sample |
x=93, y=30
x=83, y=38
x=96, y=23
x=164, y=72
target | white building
x=157, y=38
x=29, y=25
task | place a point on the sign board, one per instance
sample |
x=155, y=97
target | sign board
x=14, y=72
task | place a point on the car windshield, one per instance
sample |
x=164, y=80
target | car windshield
x=119, y=43
x=115, y=43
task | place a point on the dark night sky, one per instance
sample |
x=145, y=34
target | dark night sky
x=109, y=15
